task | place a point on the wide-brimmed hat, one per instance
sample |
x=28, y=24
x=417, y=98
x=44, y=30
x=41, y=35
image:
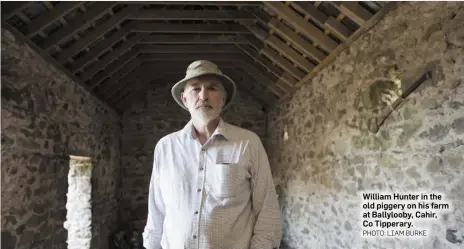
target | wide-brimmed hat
x=200, y=68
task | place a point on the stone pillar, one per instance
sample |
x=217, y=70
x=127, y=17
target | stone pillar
x=78, y=206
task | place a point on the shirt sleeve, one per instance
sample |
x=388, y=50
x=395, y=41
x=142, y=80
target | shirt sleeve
x=154, y=227
x=268, y=227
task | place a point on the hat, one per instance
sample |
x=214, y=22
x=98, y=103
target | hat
x=199, y=68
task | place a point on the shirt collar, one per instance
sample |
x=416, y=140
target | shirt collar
x=221, y=130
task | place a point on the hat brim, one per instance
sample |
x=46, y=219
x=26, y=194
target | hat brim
x=227, y=82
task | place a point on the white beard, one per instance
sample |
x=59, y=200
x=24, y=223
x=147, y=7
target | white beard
x=204, y=116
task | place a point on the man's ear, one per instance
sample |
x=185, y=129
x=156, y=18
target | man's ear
x=184, y=99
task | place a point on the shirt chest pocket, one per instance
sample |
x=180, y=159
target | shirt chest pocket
x=228, y=178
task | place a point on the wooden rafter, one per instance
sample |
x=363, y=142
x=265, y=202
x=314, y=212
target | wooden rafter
x=190, y=57
x=262, y=77
x=213, y=15
x=354, y=11
x=259, y=14
x=10, y=8
x=111, y=68
x=132, y=79
x=369, y=24
x=79, y=22
x=54, y=14
x=191, y=28
x=103, y=62
x=274, y=57
x=254, y=75
x=327, y=22
x=260, y=59
x=95, y=34
x=253, y=41
x=105, y=45
x=286, y=50
x=303, y=26
x=298, y=42
x=243, y=82
x=283, y=63
x=110, y=45
x=205, y=3
x=183, y=49
x=194, y=39
x=116, y=76
x=259, y=32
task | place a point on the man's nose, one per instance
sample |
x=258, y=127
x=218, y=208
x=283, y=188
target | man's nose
x=203, y=93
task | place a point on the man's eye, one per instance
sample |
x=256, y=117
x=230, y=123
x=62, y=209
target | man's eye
x=196, y=89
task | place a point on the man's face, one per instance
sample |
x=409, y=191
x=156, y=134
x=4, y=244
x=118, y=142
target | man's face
x=204, y=99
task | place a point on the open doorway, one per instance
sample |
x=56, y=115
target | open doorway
x=79, y=210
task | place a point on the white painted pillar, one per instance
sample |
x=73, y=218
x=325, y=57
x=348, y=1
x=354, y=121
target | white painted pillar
x=79, y=213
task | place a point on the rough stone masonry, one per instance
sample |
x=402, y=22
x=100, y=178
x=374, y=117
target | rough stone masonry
x=46, y=117
x=330, y=156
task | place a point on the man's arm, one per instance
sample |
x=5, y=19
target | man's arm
x=154, y=227
x=268, y=228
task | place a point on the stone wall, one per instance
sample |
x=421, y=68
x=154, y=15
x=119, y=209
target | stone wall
x=157, y=115
x=328, y=155
x=46, y=117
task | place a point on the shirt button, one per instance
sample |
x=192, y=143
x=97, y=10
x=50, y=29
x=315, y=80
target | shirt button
x=199, y=190
x=194, y=236
x=196, y=212
x=203, y=149
x=201, y=168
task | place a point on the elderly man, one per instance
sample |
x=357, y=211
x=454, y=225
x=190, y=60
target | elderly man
x=211, y=186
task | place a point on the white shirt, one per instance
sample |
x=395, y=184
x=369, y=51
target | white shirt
x=217, y=196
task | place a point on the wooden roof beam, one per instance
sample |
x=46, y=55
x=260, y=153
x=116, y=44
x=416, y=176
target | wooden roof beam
x=254, y=75
x=275, y=57
x=79, y=22
x=94, y=35
x=319, y=17
x=11, y=8
x=193, y=39
x=111, y=68
x=259, y=32
x=131, y=79
x=260, y=59
x=213, y=15
x=261, y=96
x=259, y=14
x=191, y=57
x=116, y=76
x=299, y=43
x=303, y=26
x=368, y=25
x=196, y=48
x=282, y=62
x=266, y=80
x=204, y=3
x=291, y=54
x=354, y=11
x=104, y=45
x=51, y=16
x=191, y=28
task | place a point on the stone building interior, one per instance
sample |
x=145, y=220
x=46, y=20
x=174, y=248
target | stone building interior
x=345, y=96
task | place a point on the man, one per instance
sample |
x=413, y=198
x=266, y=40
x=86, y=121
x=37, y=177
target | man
x=211, y=185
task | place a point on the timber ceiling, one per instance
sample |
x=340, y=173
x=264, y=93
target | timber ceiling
x=117, y=50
